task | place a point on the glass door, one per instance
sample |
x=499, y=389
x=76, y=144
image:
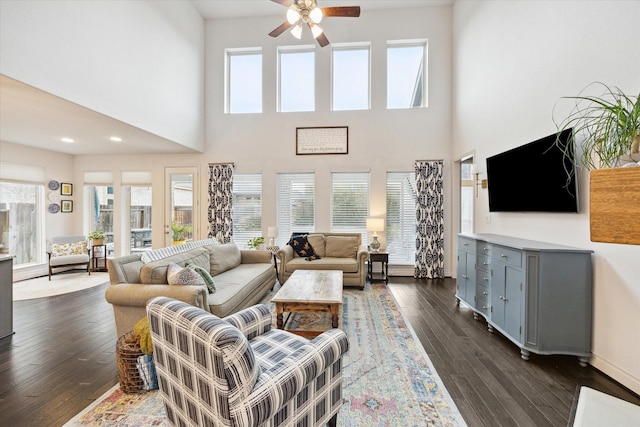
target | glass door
x=181, y=217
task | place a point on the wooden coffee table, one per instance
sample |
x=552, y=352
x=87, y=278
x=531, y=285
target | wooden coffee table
x=310, y=291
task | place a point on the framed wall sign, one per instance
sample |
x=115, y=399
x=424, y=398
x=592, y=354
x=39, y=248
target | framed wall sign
x=322, y=140
x=66, y=189
x=66, y=206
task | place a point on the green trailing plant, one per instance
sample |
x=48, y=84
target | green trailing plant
x=96, y=235
x=180, y=232
x=605, y=127
x=255, y=242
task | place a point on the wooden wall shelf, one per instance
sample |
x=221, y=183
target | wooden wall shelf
x=614, y=205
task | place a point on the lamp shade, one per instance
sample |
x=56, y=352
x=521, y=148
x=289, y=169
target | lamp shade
x=375, y=224
x=272, y=232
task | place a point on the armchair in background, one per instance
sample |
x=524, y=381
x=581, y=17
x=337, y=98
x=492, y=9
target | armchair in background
x=68, y=251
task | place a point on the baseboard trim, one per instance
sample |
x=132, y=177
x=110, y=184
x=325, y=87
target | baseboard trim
x=622, y=377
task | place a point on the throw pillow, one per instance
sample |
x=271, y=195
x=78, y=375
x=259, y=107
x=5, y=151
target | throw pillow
x=177, y=275
x=211, y=285
x=60, y=249
x=303, y=248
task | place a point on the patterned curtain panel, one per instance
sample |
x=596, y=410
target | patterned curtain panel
x=429, y=220
x=220, y=185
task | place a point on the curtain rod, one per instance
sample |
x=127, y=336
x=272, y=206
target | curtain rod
x=222, y=163
x=430, y=160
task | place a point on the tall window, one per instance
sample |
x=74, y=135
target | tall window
x=140, y=217
x=401, y=217
x=350, y=203
x=466, y=196
x=247, y=208
x=296, y=204
x=243, y=79
x=406, y=74
x=22, y=220
x=102, y=204
x=350, y=78
x=296, y=83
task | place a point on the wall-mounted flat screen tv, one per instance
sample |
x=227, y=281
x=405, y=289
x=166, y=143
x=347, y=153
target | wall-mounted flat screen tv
x=533, y=178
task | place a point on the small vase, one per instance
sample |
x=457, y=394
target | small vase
x=375, y=244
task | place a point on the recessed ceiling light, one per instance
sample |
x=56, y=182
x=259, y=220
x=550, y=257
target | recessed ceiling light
x=116, y=139
x=67, y=140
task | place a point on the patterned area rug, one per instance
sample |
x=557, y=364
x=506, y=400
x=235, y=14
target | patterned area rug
x=388, y=378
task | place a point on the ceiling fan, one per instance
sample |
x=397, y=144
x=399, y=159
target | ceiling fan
x=307, y=12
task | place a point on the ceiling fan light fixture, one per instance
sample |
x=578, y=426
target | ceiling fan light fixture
x=297, y=31
x=293, y=15
x=316, y=31
x=316, y=15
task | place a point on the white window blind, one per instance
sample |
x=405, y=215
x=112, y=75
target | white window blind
x=246, y=213
x=401, y=217
x=350, y=202
x=296, y=204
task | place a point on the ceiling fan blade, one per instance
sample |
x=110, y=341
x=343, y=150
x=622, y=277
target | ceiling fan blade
x=346, y=11
x=322, y=40
x=285, y=3
x=281, y=29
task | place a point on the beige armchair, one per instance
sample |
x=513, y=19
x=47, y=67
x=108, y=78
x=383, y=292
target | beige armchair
x=68, y=251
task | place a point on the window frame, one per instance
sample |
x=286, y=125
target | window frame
x=246, y=179
x=228, y=54
x=351, y=228
x=341, y=47
x=406, y=219
x=292, y=50
x=283, y=196
x=424, y=80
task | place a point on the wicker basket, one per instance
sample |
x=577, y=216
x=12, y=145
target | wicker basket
x=127, y=353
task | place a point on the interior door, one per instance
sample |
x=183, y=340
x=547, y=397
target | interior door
x=181, y=204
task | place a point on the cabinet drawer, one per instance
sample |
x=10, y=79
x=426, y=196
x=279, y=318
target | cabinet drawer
x=484, y=248
x=483, y=263
x=482, y=291
x=507, y=256
x=466, y=244
x=482, y=305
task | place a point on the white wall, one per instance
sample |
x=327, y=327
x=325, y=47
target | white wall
x=380, y=140
x=140, y=62
x=513, y=61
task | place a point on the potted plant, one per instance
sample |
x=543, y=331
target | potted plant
x=607, y=130
x=607, y=127
x=97, y=237
x=179, y=233
x=256, y=242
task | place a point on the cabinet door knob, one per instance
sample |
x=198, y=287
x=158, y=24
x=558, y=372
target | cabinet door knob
x=485, y=293
x=464, y=276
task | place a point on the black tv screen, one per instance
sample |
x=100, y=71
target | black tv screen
x=533, y=178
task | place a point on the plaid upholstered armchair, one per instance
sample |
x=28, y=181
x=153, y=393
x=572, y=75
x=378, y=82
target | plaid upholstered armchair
x=238, y=371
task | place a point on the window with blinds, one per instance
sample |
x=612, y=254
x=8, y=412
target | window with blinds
x=350, y=202
x=401, y=217
x=247, y=208
x=296, y=204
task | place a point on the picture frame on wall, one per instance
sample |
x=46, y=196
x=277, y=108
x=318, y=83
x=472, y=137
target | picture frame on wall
x=66, y=189
x=322, y=140
x=66, y=206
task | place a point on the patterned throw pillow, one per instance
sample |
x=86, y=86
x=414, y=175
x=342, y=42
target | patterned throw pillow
x=303, y=248
x=61, y=249
x=177, y=275
x=211, y=285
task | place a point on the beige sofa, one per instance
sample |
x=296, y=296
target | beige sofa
x=242, y=278
x=337, y=251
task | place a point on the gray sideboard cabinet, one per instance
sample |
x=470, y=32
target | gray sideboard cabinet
x=537, y=294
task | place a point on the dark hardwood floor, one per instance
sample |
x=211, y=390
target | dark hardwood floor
x=62, y=357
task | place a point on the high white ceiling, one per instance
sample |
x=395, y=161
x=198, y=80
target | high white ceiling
x=32, y=117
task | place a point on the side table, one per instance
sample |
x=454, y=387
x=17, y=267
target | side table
x=99, y=258
x=383, y=259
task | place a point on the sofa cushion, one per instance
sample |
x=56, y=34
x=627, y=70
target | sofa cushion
x=346, y=265
x=204, y=273
x=317, y=241
x=181, y=276
x=235, y=286
x=62, y=249
x=223, y=257
x=69, y=259
x=341, y=246
x=155, y=272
